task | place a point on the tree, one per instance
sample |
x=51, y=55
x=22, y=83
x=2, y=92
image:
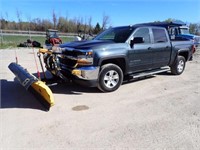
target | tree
x=62, y=24
x=97, y=29
x=54, y=18
x=169, y=20
x=194, y=28
x=19, y=14
x=105, y=21
x=90, y=25
x=45, y=24
x=85, y=26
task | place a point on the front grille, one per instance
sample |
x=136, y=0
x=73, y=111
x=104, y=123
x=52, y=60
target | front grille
x=73, y=53
x=67, y=62
x=69, y=53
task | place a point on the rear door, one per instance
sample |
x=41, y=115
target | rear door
x=161, y=49
x=140, y=55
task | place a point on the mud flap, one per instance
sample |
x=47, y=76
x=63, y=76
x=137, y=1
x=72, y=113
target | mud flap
x=38, y=88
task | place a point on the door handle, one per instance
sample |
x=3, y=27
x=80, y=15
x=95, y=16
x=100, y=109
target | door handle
x=167, y=47
x=149, y=48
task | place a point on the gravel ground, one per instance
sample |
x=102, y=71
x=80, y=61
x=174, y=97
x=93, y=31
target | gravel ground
x=161, y=112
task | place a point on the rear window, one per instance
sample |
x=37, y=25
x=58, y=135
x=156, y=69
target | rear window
x=159, y=35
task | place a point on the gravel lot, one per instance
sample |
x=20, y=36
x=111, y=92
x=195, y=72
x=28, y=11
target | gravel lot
x=161, y=112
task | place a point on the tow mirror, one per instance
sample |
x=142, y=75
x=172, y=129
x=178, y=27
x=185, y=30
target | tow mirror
x=137, y=40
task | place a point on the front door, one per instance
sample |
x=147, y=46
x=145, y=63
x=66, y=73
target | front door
x=140, y=55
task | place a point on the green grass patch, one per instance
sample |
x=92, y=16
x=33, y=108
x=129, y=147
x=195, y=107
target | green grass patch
x=10, y=41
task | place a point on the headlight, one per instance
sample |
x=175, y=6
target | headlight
x=86, y=59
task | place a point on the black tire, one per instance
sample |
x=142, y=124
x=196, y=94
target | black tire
x=110, y=78
x=179, y=65
x=47, y=42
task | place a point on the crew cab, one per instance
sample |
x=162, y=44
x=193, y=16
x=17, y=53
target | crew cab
x=179, y=31
x=119, y=52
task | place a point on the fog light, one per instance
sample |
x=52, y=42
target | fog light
x=76, y=72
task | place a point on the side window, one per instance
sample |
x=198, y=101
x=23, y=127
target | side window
x=159, y=35
x=144, y=33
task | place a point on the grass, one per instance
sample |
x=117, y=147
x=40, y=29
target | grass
x=10, y=41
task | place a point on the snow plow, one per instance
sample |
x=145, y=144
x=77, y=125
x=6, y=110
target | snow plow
x=32, y=84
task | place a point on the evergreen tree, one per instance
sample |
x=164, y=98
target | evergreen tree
x=97, y=29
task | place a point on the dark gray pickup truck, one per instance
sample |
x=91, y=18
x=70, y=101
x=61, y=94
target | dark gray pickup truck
x=128, y=51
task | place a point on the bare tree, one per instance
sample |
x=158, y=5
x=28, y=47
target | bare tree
x=90, y=25
x=55, y=19
x=105, y=21
x=1, y=21
x=194, y=28
x=7, y=20
x=78, y=22
x=64, y=24
x=29, y=25
x=19, y=15
x=1, y=35
x=85, y=26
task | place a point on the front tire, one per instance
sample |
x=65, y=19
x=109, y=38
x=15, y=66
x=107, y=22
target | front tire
x=110, y=78
x=179, y=65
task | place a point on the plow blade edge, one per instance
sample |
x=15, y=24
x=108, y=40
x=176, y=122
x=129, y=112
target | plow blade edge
x=38, y=88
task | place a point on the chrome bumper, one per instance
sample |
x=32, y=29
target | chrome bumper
x=86, y=73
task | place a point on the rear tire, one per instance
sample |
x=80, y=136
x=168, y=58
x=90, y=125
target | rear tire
x=110, y=78
x=179, y=65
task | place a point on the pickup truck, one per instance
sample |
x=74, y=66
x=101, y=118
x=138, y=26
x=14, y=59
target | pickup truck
x=128, y=51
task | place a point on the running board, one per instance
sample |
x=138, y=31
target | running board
x=149, y=73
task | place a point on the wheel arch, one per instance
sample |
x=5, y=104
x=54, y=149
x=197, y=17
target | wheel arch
x=184, y=53
x=119, y=61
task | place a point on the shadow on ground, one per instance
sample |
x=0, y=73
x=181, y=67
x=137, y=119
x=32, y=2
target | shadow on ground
x=14, y=95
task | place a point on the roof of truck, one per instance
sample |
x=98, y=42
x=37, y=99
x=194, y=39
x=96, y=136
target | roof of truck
x=164, y=24
x=136, y=26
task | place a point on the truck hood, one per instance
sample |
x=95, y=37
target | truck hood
x=90, y=44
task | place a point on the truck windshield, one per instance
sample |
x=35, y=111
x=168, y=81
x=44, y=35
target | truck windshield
x=118, y=35
x=184, y=31
x=53, y=34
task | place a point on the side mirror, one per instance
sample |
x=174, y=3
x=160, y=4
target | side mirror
x=137, y=40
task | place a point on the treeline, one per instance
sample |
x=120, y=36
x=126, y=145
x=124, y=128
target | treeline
x=63, y=24
x=195, y=28
x=68, y=25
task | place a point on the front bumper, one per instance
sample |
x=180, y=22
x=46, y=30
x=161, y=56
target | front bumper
x=86, y=76
x=86, y=73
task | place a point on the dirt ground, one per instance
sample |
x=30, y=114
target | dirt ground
x=161, y=112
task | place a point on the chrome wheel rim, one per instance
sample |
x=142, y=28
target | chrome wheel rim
x=111, y=79
x=180, y=66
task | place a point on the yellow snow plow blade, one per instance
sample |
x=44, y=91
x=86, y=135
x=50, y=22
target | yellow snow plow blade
x=42, y=92
x=38, y=88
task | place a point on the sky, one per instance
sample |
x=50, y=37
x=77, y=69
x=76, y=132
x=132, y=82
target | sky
x=120, y=12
